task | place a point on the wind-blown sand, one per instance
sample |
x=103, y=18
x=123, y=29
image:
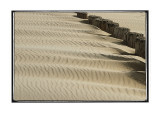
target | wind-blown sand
x=135, y=21
x=60, y=57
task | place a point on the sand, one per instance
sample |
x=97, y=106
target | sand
x=135, y=21
x=60, y=57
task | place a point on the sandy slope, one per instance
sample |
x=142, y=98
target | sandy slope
x=59, y=57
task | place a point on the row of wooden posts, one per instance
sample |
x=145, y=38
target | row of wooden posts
x=131, y=39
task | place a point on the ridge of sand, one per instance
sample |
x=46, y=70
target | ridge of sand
x=58, y=57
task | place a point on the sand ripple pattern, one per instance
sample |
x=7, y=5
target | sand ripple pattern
x=58, y=57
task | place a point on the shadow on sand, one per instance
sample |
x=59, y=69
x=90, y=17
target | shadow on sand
x=84, y=21
x=139, y=77
x=138, y=72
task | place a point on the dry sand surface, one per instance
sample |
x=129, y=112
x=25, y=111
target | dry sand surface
x=135, y=21
x=60, y=57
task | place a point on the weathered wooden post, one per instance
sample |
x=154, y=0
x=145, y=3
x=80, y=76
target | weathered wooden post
x=104, y=24
x=107, y=25
x=97, y=22
x=120, y=32
x=116, y=30
x=130, y=39
x=140, y=47
x=91, y=18
x=85, y=15
x=82, y=15
x=112, y=26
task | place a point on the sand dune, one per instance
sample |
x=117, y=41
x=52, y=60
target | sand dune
x=59, y=57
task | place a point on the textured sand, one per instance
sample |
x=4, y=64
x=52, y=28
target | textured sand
x=135, y=21
x=60, y=57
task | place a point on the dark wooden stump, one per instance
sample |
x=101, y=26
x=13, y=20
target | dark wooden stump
x=130, y=38
x=83, y=15
x=103, y=24
x=91, y=18
x=112, y=26
x=107, y=25
x=120, y=32
x=140, y=46
x=97, y=22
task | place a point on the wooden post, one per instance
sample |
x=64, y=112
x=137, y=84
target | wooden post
x=85, y=15
x=112, y=26
x=104, y=24
x=120, y=32
x=107, y=25
x=140, y=46
x=96, y=22
x=82, y=15
x=131, y=38
x=91, y=18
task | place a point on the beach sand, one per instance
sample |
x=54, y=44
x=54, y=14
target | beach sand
x=135, y=21
x=58, y=56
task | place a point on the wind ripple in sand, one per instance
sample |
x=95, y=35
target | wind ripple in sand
x=59, y=58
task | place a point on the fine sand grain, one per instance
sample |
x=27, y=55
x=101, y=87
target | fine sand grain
x=60, y=57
